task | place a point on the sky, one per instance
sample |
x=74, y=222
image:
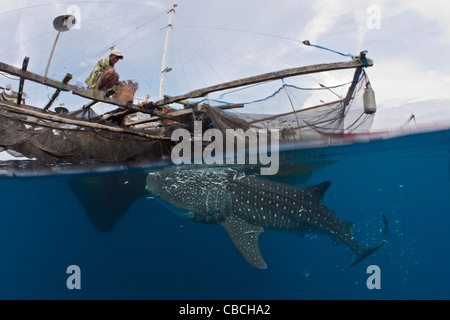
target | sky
x=223, y=40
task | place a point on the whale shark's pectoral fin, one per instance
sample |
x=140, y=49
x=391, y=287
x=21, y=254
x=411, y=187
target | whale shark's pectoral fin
x=245, y=238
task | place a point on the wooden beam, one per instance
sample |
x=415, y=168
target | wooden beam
x=22, y=80
x=263, y=78
x=32, y=76
x=6, y=105
x=100, y=96
x=65, y=81
x=89, y=94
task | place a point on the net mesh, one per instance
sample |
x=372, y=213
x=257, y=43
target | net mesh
x=346, y=113
x=32, y=137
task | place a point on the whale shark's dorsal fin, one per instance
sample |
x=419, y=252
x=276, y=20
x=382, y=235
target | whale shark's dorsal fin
x=319, y=190
x=245, y=238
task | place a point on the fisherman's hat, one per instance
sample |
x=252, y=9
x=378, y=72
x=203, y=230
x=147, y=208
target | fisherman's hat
x=117, y=53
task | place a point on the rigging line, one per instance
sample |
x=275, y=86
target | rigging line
x=190, y=56
x=181, y=44
x=137, y=73
x=265, y=34
x=137, y=28
x=70, y=2
x=113, y=44
x=243, y=88
x=90, y=37
x=84, y=67
x=272, y=54
x=224, y=48
x=193, y=43
x=26, y=42
x=247, y=31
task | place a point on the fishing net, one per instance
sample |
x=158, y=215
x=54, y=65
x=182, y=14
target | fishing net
x=34, y=137
x=345, y=113
x=288, y=109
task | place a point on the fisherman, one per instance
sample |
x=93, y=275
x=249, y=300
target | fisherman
x=104, y=77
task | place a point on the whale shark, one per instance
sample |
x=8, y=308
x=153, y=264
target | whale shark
x=245, y=205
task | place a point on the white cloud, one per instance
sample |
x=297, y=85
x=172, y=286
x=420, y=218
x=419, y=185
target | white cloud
x=412, y=34
x=435, y=10
x=399, y=82
x=327, y=12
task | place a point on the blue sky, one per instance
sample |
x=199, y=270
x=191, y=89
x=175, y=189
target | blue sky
x=216, y=41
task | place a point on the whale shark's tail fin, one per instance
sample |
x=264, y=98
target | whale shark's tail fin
x=364, y=252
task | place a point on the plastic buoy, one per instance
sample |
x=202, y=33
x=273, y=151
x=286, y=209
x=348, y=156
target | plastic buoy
x=370, y=105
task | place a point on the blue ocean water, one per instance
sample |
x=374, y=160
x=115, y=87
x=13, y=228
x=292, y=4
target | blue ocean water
x=152, y=253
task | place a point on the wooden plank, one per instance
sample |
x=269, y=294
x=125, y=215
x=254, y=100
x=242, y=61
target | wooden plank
x=6, y=105
x=263, y=78
x=22, y=80
x=170, y=116
x=100, y=96
x=65, y=81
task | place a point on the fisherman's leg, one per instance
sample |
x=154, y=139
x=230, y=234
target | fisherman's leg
x=109, y=79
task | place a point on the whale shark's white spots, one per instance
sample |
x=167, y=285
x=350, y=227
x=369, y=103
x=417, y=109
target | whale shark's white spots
x=244, y=205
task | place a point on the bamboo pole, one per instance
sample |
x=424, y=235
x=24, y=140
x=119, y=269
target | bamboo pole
x=263, y=78
x=65, y=81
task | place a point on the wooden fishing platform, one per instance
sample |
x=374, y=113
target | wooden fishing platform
x=100, y=96
x=56, y=125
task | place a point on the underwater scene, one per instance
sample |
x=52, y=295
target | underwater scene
x=365, y=220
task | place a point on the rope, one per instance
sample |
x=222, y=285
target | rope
x=212, y=123
x=307, y=43
x=363, y=63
